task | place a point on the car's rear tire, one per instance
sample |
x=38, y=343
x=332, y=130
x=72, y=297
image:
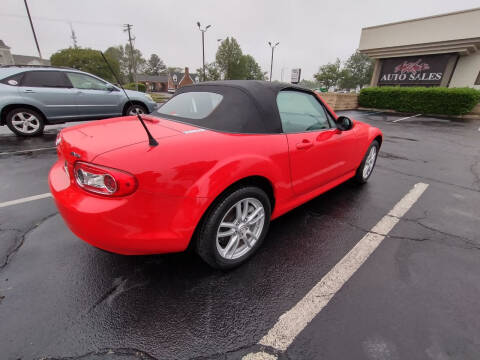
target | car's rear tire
x=234, y=228
x=135, y=109
x=25, y=122
x=368, y=163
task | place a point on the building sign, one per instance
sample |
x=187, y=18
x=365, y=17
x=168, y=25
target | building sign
x=414, y=70
x=296, y=76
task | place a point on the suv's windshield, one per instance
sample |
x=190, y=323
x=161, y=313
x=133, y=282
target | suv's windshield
x=191, y=105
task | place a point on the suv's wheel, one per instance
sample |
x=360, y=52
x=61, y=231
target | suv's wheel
x=136, y=109
x=366, y=167
x=25, y=122
x=234, y=228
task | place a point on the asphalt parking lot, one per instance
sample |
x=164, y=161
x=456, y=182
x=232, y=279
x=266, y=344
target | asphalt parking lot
x=415, y=297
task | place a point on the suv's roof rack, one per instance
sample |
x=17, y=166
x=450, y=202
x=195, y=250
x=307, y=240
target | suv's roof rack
x=38, y=66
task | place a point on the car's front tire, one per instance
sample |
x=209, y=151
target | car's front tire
x=366, y=167
x=25, y=122
x=234, y=228
x=136, y=109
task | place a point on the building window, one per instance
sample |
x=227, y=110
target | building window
x=477, y=82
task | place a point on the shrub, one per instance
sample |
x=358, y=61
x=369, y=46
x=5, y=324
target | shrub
x=132, y=86
x=424, y=100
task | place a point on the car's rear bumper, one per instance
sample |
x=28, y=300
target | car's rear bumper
x=141, y=223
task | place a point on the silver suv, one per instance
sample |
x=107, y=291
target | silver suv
x=32, y=97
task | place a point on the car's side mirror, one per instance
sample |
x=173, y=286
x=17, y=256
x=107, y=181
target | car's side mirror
x=344, y=123
x=110, y=88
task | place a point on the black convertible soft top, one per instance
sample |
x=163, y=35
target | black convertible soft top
x=248, y=106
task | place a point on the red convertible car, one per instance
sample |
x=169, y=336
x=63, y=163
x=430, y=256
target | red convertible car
x=231, y=157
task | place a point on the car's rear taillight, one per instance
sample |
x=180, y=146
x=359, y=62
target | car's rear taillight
x=104, y=180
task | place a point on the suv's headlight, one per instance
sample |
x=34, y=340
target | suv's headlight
x=149, y=97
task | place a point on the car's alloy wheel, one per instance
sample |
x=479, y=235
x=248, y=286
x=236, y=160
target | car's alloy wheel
x=370, y=162
x=25, y=122
x=136, y=110
x=234, y=227
x=366, y=167
x=240, y=228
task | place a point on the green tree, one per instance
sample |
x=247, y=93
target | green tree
x=118, y=53
x=124, y=58
x=212, y=72
x=172, y=69
x=309, y=84
x=137, y=62
x=358, y=71
x=233, y=64
x=251, y=70
x=154, y=65
x=330, y=74
x=229, y=59
x=88, y=60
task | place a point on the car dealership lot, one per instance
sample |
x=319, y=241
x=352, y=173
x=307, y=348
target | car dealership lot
x=415, y=297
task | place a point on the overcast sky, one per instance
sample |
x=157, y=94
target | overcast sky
x=310, y=32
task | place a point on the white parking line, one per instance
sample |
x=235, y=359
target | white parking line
x=26, y=151
x=290, y=324
x=24, y=200
x=405, y=118
x=259, y=356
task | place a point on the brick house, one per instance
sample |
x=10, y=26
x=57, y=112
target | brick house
x=154, y=83
x=177, y=80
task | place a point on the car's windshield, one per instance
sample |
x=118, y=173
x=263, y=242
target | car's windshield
x=191, y=105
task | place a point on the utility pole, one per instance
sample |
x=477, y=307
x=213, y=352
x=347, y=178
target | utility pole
x=271, y=62
x=203, y=45
x=128, y=28
x=33, y=29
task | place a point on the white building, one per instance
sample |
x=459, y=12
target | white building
x=439, y=50
x=7, y=58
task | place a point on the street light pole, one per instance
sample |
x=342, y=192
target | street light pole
x=203, y=45
x=33, y=29
x=271, y=61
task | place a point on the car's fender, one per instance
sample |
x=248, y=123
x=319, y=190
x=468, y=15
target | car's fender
x=234, y=169
x=8, y=101
x=365, y=135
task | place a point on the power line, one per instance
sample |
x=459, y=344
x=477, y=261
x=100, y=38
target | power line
x=39, y=18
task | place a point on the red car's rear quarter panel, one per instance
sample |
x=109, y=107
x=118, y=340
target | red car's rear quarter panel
x=141, y=223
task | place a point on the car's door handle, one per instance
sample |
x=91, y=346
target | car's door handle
x=305, y=144
x=29, y=91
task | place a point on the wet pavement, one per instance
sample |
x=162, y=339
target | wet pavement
x=416, y=296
